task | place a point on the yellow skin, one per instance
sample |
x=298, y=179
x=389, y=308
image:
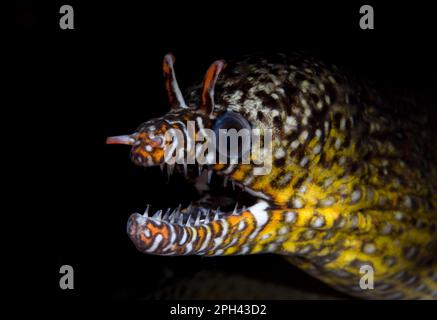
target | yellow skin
x=351, y=185
x=359, y=231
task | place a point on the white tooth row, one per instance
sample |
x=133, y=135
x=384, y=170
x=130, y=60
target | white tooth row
x=177, y=216
x=208, y=172
x=170, y=169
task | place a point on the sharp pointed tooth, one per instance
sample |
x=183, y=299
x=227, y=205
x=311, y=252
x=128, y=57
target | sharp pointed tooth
x=209, y=176
x=225, y=181
x=233, y=184
x=185, y=170
x=158, y=215
x=200, y=167
x=197, y=219
x=235, y=209
x=166, y=214
x=177, y=215
x=146, y=212
x=181, y=220
x=170, y=168
x=207, y=218
x=162, y=166
x=189, y=208
x=188, y=224
x=216, y=216
x=174, y=215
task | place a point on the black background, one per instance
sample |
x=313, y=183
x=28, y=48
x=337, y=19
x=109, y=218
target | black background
x=76, y=87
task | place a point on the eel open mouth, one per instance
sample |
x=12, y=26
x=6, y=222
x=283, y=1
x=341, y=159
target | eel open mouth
x=202, y=227
x=213, y=224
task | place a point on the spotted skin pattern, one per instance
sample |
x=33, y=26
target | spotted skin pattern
x=353, y=181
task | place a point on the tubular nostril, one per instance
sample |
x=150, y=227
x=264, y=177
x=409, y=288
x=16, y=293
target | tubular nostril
x=125, y=139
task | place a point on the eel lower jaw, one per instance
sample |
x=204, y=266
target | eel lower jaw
x=194, y=230
x=211, y=225
x=208, y=226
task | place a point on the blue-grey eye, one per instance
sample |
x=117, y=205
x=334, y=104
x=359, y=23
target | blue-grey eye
x=228, y=121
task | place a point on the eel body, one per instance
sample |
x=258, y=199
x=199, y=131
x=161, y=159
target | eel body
x=353, y=180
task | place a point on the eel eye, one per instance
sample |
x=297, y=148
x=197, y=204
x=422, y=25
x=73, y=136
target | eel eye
x=230, y=120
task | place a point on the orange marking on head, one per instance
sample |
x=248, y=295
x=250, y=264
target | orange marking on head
x=158, y=155
x=207, y=97
x=208, y=81
x=167, y=67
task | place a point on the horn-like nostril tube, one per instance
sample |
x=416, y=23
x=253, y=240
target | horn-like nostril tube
x=125, y=139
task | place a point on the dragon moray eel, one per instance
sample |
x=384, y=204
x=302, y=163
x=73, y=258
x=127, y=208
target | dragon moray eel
x=353, y=181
